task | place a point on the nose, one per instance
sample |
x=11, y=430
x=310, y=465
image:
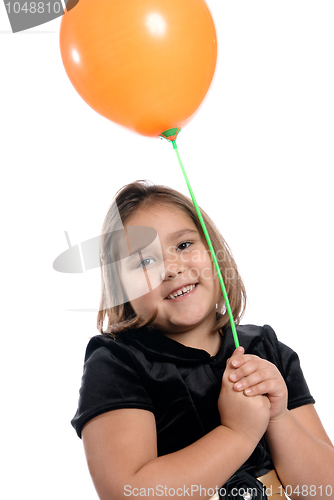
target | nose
x=173, y=267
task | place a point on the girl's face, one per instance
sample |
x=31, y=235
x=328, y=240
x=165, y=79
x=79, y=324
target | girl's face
x=186, y=268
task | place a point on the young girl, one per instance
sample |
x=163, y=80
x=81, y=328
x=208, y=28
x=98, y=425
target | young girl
x=168, y=406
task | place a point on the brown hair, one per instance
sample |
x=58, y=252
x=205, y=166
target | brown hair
x=121, y=316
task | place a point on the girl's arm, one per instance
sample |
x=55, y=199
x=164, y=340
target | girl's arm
x=121, y=450
x=302, y=453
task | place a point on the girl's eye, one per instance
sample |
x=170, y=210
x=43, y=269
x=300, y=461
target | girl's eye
x=184, y=245
x=145, y=262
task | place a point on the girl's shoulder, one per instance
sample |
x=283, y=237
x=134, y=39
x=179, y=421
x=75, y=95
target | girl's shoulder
x=254, y=335
x=107, y=346
x=112, y=341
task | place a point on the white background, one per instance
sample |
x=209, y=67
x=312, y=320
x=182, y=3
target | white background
x=259, y=156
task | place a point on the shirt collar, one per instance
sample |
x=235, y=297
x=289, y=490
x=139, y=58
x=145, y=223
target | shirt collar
x=154, y=341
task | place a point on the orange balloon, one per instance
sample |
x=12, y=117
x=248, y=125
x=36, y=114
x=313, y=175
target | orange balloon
x=144, y=64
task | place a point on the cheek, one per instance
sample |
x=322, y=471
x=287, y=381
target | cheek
x=144, y=305
x=136, y=283
x=204, y=270
x=201, y=267
x=138, y=305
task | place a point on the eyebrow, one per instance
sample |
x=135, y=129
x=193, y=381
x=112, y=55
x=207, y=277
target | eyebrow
x=180, y=233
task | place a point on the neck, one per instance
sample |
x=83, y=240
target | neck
x=209, y=340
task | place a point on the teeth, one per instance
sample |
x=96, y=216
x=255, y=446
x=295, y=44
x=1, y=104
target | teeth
x=181, y=291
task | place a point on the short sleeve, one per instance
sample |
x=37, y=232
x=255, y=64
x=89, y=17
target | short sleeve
x=287, y=361
x=111, y=380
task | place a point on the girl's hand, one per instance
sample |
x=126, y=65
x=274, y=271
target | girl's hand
x=253, y=376
x=248, y=417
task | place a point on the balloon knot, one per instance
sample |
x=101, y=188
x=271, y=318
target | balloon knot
x=170, y=134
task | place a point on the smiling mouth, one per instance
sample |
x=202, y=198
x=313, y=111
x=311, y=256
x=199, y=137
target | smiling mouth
x=184, y=290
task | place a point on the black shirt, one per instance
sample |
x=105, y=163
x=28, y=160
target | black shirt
x=145, y=369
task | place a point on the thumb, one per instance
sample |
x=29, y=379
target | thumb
x=237, y=352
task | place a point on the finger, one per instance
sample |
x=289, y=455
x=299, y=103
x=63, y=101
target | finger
x=236, y=353
x=246, y=365
x=229, y=368
x=266, y=387
x=244, y=359
x=253, y=379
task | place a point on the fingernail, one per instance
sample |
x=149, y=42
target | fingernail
x=248, y=391
x=238, y=386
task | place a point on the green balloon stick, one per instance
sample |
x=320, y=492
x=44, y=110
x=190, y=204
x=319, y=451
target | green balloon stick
x=171, y=135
